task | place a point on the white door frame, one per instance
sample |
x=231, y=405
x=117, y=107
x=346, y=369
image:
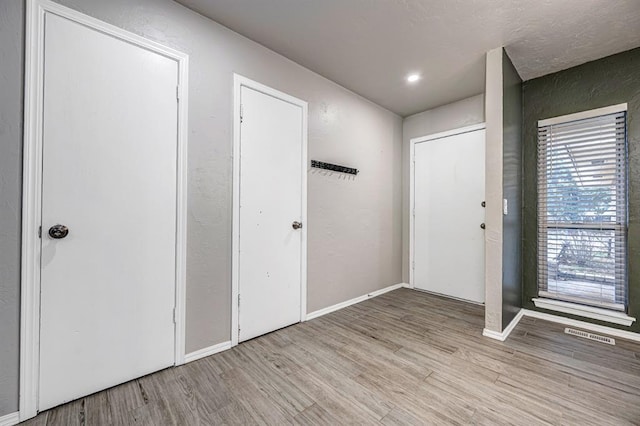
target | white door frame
x=238, y=82
x=412, y=164
x=32, y=188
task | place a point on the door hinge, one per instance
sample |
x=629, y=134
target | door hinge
x=241, y=117
x=413, y=265
x=178, y=93
x=40, y=232
x=175, y=318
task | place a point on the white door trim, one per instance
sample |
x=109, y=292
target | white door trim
x=238, y=82
x=412, y=163
x=32, y=188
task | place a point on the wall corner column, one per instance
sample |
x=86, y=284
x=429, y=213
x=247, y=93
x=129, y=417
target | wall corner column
x=493, y=190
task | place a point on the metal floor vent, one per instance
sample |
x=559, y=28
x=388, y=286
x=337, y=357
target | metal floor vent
x=590, y=336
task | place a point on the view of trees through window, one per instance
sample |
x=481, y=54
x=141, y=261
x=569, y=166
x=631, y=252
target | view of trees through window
x=583, y=230
x=581, y=257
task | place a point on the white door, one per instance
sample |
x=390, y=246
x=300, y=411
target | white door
x=109, y=175
x=270, y=278
x=448, y=196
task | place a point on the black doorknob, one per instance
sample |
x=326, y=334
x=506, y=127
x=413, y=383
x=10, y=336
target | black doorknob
x=296, y=225
x=482, y=225
x=58, y=231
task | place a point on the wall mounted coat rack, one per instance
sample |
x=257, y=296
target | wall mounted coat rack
x=333, y=167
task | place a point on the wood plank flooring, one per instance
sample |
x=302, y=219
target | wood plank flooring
x=405, y=357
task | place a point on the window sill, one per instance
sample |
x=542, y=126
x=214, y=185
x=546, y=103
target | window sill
x=584, y=311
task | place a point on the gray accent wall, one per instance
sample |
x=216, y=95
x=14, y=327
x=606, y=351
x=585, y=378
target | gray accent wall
x=354, y=224
x=511, y=190
x=11, y=82
x=608, y=81
x=465, y=112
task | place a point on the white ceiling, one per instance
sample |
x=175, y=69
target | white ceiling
x=369, y=46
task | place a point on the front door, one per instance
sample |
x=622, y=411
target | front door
x=448, y=196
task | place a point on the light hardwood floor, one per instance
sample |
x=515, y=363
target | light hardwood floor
x=402, y=358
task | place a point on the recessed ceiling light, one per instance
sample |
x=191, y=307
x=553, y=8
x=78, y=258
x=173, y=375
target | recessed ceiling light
x=412, y=78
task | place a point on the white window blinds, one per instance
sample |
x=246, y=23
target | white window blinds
x=582, y=210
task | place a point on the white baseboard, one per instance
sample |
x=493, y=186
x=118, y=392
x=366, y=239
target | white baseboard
x=623, y=334
x=508, y=329
x=359, y=299
x=201, y=353
x=10, y=419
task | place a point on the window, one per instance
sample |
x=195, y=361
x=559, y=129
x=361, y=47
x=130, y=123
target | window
x=582, y=208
